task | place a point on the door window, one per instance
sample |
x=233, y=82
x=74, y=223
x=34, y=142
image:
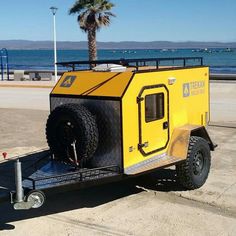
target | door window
x=154, y=107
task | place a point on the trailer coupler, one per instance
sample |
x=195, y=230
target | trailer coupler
x=20, y=200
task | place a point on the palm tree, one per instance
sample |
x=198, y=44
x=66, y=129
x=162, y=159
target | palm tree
x=92, y=15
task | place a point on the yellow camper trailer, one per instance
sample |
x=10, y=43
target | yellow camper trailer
x=128, y=117
x=143, y=117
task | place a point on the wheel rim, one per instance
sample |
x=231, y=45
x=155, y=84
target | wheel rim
x=198, y=163
x=37, y=198
x=66, y=133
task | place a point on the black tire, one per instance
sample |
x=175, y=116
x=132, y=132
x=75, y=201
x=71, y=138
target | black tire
x=71, y=123
x=193, y=172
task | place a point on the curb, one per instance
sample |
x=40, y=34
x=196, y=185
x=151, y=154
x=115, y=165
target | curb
x=25, y=86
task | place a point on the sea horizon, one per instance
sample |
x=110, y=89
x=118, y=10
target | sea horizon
x=220, y=60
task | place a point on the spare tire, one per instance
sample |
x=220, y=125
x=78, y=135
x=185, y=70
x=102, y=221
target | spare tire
x=68, y=124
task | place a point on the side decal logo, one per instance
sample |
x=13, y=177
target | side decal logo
x=193, y=88
x=186, y=90
x=68, y=81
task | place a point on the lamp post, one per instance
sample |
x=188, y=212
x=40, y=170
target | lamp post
x=54, y=10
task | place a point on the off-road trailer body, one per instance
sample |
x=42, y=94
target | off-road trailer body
x=145, y=119
x=118, y=101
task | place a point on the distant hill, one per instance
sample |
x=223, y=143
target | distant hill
x=67, y=45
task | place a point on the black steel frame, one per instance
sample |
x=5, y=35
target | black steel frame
x=72, y=177
x=132, y=62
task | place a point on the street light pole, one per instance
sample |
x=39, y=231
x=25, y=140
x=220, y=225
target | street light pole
x=54, y=10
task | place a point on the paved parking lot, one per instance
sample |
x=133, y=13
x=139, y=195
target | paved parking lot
x=149, y=205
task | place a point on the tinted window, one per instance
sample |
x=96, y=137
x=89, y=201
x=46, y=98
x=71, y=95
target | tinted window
x=154, y=107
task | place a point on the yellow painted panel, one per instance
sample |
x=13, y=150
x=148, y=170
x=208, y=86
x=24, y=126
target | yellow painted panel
x=111, y=84
x=188, y=104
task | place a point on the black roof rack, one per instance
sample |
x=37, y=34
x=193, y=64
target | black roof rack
x=133, y=62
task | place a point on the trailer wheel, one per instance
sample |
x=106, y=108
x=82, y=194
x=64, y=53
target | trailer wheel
x=36, y=197
x=72, y=124
x=193, y=172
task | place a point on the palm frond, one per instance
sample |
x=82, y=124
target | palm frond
x=80, y=5
x=105, y=6
x=103, y=20
x=82, y=20
x=109, y=13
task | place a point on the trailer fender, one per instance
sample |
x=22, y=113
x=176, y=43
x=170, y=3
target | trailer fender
x=178, y=146
x=202, y=132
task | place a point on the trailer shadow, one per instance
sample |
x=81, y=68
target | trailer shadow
x=160, y=180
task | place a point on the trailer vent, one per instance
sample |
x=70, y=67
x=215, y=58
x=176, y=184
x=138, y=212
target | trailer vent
x=110, y=68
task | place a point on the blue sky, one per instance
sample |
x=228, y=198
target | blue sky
x=150, y=20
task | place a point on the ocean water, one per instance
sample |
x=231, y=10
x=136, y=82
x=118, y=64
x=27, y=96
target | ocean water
x=219, y=60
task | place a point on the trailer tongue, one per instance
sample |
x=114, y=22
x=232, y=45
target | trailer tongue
x=48, y=174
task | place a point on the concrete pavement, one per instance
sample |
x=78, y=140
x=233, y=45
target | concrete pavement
x=25, y=94
x=223, y=102
x=25, y=98
x=35, y=95
x=149, y=205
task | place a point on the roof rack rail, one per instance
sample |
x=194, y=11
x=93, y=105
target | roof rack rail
x=133, y=62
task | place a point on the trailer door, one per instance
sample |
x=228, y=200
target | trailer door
x=153, y=119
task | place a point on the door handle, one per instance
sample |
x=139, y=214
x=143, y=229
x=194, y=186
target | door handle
x=143, y=145
x=165, y=125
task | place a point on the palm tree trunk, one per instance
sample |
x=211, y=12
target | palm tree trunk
x=92, y=45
